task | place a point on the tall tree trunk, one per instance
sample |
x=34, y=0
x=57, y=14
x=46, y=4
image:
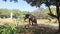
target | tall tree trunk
x=58, y=13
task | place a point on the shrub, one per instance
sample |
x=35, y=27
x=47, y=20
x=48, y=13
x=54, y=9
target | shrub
x=6, y=29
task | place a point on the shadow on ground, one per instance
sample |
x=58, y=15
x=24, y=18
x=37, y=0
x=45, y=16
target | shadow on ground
x=39, y=29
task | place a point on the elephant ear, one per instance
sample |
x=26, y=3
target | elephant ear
x=29, y=17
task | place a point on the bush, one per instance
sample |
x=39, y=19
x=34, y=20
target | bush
x=6, y=29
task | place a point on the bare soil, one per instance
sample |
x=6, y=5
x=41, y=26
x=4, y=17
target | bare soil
x=42, y=24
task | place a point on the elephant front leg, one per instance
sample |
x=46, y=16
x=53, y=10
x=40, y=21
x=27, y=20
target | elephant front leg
x=32, y=22
x=29, y=22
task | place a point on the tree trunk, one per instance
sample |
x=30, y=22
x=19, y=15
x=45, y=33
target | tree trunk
x=58, y=14
x=48, y=6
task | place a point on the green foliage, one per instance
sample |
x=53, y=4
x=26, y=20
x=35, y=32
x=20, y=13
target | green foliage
x=23, y=29
x=4, y=12
x=39, y=13
x=16, y=13
x=43, y=13
x=53, y=9
x=6, y=29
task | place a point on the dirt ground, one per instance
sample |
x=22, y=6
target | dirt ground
x=42, y=24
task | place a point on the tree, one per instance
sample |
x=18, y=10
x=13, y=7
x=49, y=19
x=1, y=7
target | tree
x=38, y=3
x=48, y=3
x=16, y=13
x=40, y=13
x=4, y=13
x=53, y=9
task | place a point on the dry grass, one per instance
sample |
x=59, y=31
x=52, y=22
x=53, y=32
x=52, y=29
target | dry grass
x=8, y=20
x=42, y=23
x=39, y=21
x=47, y=22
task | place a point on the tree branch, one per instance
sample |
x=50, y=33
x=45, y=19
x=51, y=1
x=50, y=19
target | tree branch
x=52, y=15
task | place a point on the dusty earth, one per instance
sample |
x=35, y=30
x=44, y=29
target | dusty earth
x=42, y=24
